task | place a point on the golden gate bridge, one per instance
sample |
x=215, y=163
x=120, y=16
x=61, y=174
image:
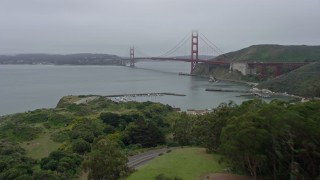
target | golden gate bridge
x=195, y=59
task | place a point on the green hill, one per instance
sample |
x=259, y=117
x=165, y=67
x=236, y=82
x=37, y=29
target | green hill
x=293, y=53
x=304, y=81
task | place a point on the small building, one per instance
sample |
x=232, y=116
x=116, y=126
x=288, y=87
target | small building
x=242, y=67
x=176, y=109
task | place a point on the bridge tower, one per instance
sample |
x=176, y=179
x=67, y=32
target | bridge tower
x=194, y=50
x=132, y=56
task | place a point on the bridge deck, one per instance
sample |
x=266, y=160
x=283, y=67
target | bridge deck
x=274, y=63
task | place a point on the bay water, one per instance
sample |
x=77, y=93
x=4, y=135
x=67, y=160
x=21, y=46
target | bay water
x=29, y=87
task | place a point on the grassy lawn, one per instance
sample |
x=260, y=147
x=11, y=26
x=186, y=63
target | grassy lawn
x=41, y=146
x=186, y=163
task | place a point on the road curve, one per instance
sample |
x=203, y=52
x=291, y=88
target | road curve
x=142, y=158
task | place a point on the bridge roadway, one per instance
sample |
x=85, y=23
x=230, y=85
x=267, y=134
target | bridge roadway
x=273, y=63
x=179, y=59
x=251, y=66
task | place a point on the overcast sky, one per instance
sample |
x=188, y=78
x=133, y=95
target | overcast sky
x=153, y=26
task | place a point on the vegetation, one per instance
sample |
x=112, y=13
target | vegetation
x=66, y=165
x=276, y=140
x=59, y=139
x=14, y=164
x=304, y=81
x=272, y=52
x=76, y=59
x=185, y=163
x=106, y=161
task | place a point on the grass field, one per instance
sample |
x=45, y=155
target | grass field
x=186, y=163
x=41, y=146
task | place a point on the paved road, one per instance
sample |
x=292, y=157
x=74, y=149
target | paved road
x=142, y=158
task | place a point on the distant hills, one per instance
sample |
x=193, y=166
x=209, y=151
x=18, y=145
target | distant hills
x=304, y=81
x=273, y=53
x=57, y=59
x=200, y=57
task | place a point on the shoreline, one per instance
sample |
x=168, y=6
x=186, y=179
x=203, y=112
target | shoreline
x=220, y=79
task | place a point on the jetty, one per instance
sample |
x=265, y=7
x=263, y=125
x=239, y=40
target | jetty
x=227, y=90
x=145, y=94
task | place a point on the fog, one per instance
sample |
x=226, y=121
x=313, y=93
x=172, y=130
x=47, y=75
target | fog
x=153, y=26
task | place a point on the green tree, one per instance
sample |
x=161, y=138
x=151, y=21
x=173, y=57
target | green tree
x=87, y=129
x=145, y=133
x=66, y=165
x=106, y=161
x=208, y=127
x=110, y=118
x=13, y=162
x=244, y=143
x=182, y=129
x=80, y=146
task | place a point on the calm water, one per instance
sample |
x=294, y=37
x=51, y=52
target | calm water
x=28, y=87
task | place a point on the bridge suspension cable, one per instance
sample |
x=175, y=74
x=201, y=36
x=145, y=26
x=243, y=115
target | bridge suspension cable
x=193, y=57
x=140, y=53
x=213, y=45
x=177, y=46
x=210, y=46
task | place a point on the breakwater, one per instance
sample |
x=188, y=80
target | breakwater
x=145, y=94
x=227, y=90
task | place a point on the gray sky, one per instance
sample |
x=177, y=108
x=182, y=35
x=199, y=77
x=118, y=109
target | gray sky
x=154, y=26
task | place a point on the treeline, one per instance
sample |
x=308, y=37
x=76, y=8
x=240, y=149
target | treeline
x=95, y=137
x=57, y=59
x=278, y=140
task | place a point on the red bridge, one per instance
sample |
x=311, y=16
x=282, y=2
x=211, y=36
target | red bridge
x=251, y=66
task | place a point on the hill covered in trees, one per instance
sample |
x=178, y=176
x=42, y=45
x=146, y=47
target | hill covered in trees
x=53, y=143
x=304, y=81
x=273, y=53
x=97, y=135
x=57, y=59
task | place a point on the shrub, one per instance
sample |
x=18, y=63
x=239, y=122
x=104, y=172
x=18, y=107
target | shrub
x=164, y=177
x=19, y=131
x=81, y=146
x=64, y=164
x=60, y=136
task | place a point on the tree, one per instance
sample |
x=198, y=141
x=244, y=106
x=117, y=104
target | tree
x=182, y=129
x=145, y=133
x=110, y=118
x=13, y=162
x=86, y=129
x=245, y=143
x=81, y=146
x=106, y=161
x=64, y=164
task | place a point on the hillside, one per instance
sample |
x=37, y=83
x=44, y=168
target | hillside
x=304, y=81
x=259, y=53
x=58, y=59
x=293, y=53
x=93, y=134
